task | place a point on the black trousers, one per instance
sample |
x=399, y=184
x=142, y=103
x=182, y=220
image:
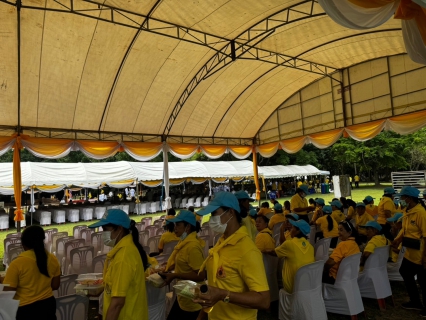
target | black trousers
x=176, y=313
x=386, y=231
x=39, y=310
x=304, y=217
x=408, y=270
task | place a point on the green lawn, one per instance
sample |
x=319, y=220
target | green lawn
x=357, y=195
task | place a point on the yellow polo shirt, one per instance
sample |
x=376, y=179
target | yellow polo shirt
x=264, y=211
x=276, y=218
x=316, y=212
x=372, y=209
x=124, y=276
x=298, y=202
x=287, y=235
x=361, y=221
x=376, y=242
x=386, y=203
x=351, y=213
x=189, y=258
x=167, y=237
x=30, y=284
x=240, y=269
x=322, y=222
x=356, y=178
x=344, y=249
x=414, y=226
x=264, y=240
x=251, y=227
x=297, y=253
x=338, y=215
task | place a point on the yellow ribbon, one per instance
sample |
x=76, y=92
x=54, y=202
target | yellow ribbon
x=192, y=237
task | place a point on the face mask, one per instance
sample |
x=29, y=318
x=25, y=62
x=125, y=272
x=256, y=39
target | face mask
x=183, y=236
x=106, y=237
x=402, y=203
x=216, y=225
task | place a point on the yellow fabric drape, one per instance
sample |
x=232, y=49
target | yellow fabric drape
x=180, y=149
x=154, y=183
x=325, y=139
x=268, y=150
x=143, y=149
x=365, y=131
x=49, y=188
x=199, y=180
x=293, y=145
x=240, y=152
x=213, y=151
x=99, y=149
x=47, y=147
x=256, y=173
x=17, y=181
x=176, y=181
x=6, y=143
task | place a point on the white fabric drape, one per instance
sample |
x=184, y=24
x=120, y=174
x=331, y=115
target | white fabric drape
x=166, y=176
x=413, y=41
x=210, y=188
x=32, y=208
x=30, y=146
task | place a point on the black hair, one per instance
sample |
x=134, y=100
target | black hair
x=171, y=212
x=334, y=199
x=264, y=218
x=243, y=209
x=265, y=204
x=417, y=201
x=330, y=221
x=300, y=234
x=169, y=227
x=348, y=226
x=311, y=201
x=279, y=211
x=196, y=228
x=191, y=208
x=33, y=238
x=286, y=204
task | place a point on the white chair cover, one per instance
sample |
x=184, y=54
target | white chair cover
x=67, y=286
x=344, y=297
x=183, y=203
x=276, y=229
x=81, y=260
x=4, y=222
x=153, y=207
x=99, y=212
x=8, y=306
x=45, y=218
x=306, y=301
x=59, y=216
x=87, y=214
x=393, y=267
x=168, y=247
x=126, y=208
x=72, y=307
x=197, y=202
x=132, y=206
x=271, y=269
x=72, y=215
x=373, y=282
x=205, y=201
x=178, y=202
x=156, y=302
x=23, y=223
x=190, y=203
x=312, y=235
x=321, y=249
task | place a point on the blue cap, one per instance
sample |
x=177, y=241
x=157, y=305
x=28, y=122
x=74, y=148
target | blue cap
x=327, y=209
x=372, y=224
x=336, y=203
x=278, y=207
x=396, y=201
x=253, y=212
x=389, y=190
x=113, y=216
x=360, y=204
x=369, y=199
x=293, y=216
x=241, y=195
x=186, y=216
x=221, y=199
x=302, y=225
x=409, y=192
x=304, y=188
x=320, y=201
x=395, y=217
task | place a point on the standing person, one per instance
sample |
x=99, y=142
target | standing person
x=299, y=204
x=186, y=260
x=237, y=284
x=413, y=238
x=350, y=182
x=337, y=213
x=362, y=218
x=33, y=275
x=370, y=207
x=328, y=226
x=264, y=239
x=385, y=210
x=124, y=269
x=356, y=178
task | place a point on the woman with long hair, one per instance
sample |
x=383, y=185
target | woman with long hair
x=33, y=275
x=328, y=226
x=124, y=276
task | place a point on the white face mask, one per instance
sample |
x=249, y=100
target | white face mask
x=216, y=225
x=106, y=237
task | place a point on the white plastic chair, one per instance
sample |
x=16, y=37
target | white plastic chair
x=72, y=215
x=7, y=242
x=373, y=281
x=48, y=237
x=393, y=267
x=143, y=237
x=162, y=258
x=14, y=235
x=168, y=247
x=276, y=229
x=81, y=260
x=271, y=269
x=205, y=202
x=99, y=212
x=140, y=226
x=60, y=247
x=97, y=242
x=68, y=246
x=98, y=263
x=67, y=286
x=4, y=222
x=344, y=297
x=76, y=231
x=156, y=302
x=126, y=208
x=72, y=307
x=321, y=249
x=197, y=202
x=312, y=235
x=86, y=234
x=153, y=243
x=152, y=230
x=159, y=232
x=59, y=216
x=147, y=221
x=55, y=237
x=306, y=301
x=13, y=253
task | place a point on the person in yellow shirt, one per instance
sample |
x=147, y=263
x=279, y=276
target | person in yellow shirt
x=337, y=213
x=287, y=208
x=328, y=226
x=356, y=178
x=396, y=227
x=348, y=208
x=286, y=227
x=124, y=270
x=361, y=219
x=297, y=252
x=299, y=204
x=244, y=200
x=370, y=207
x=385, y=210
x=33, y=275
x=413, y=238
x=264, y=239
x=237, y=284
x=169, y=235
x=299, y=183
x=264, y=209
x=319, y=204
x=347, y=247
x=197, y=216
x=277, y=217
x=375, y=240
x=186, y=260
